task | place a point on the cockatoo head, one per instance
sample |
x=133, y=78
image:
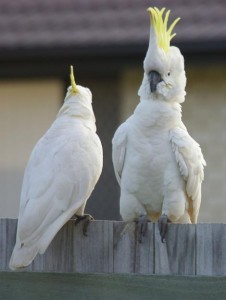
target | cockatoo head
x=78, y=101
x=77, y=92
x=164, y=75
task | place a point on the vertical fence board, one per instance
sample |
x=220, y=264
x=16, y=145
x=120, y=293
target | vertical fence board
x=93, y=253
x=59, y=253
x=7, y=241
x=177, y=254
x=58, y=256
x=144, y=258
x=124, y=247
x=211, y=249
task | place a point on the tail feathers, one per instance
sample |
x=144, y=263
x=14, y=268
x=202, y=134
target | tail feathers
x=22, y=256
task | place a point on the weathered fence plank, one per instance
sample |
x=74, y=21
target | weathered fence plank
x=144, y=259
x=211, y=249
x=124, y=247
x=93, y=253
x=177, y=254
x=58, y=256
x=112, y=247
x=7, y=241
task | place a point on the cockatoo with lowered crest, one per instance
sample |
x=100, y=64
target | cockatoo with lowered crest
x=158, y=165
x=60, y=176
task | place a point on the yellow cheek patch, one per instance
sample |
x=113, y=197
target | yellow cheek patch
x=159, y=23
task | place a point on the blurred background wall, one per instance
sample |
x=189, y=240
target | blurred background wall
x=106, y=41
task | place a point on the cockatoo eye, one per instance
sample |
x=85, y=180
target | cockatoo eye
x=168, y=74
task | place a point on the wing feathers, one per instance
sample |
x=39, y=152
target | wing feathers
x=59, y=178
x=191, y=164
x=119, y=150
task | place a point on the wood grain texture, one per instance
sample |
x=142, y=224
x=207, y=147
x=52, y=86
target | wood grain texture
x=177, y=254
x=112, y=247
x=144, y=258
x=211, y=249
x=124, y=247
x=93, y=253
x=7, y=241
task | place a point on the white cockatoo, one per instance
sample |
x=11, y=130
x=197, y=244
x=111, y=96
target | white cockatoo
x=61, y=174
x=158, y=165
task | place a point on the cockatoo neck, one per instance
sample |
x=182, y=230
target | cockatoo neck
x=151, y=113
x=78, y=109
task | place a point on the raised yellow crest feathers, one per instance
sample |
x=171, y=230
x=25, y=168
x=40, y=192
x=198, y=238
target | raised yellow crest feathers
x=159, y=23
x=74, y=88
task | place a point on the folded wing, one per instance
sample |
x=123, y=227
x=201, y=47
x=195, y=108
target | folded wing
x=119, y=142
x=191, y=164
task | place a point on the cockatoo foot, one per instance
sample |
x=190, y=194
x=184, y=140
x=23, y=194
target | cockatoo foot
x=163, y=226
x=142, y=224
x=86, y=218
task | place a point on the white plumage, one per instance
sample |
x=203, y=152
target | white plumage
x=62, y=171
x=159, y=167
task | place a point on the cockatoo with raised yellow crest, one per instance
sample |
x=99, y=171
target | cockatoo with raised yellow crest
x=61, y=174
x=158, y=165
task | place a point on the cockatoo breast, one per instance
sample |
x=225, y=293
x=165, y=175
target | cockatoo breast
x=149, y=152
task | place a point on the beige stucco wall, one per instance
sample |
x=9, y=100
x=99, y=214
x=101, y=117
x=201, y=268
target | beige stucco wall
x=204, y=114
x=130, y=82
x=27, y=108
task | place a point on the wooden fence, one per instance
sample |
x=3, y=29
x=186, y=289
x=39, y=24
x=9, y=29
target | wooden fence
x=112, y=247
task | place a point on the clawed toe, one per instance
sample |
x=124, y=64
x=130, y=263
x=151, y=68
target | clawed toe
x=86, y=218
x=142, y=224
x=163, y=226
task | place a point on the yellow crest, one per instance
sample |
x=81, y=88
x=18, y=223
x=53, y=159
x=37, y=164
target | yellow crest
x=74, y=88
x=159, y=23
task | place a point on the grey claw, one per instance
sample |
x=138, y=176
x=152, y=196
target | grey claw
x=163, y=226
x=142, y=225
x=86, y=220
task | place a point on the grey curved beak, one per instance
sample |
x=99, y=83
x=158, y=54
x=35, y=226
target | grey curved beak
x=154, y=79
